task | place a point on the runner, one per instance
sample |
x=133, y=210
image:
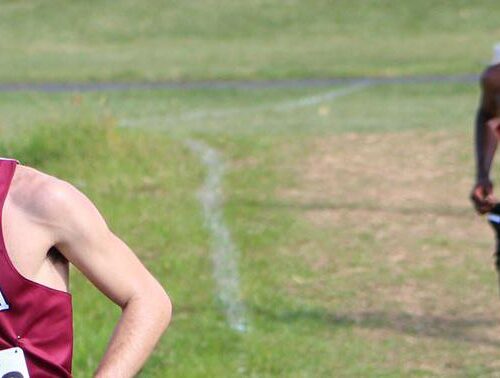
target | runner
x=486, y=135
x=46, y=224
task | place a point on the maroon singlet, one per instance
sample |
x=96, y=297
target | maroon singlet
x=38, y=318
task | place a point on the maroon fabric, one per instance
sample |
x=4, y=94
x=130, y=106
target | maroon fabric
x=39, y=319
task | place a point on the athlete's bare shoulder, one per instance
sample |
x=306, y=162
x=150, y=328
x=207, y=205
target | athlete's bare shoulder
x=490, y=78
x=44, y=197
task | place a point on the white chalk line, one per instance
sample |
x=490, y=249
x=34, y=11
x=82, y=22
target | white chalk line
x=223, y=113
x=224, y=252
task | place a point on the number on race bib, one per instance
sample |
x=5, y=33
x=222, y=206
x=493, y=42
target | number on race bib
x=3, y=303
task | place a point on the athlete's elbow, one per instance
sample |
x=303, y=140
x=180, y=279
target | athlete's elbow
x=155, y=307
x=164, y=305
x=160, y=307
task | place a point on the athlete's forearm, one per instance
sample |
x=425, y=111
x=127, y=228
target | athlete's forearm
x=141, y=325
x=485, y=146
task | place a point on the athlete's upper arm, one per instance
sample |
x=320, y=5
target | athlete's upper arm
x=83, y=237
x=490, y=87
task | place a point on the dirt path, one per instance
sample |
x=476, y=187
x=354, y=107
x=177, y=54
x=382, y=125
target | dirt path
x=229, y=84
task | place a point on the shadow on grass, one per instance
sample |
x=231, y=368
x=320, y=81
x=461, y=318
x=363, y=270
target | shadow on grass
x=372, y=207
x=461, y=329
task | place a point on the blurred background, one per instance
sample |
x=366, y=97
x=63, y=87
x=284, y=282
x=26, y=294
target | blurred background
x=295, y=173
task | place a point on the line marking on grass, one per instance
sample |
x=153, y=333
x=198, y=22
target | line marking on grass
x=284, y=106
x=224, y=252
x=322, y=97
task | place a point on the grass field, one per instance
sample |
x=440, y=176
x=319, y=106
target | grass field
x=214, y=39
x=360, y=255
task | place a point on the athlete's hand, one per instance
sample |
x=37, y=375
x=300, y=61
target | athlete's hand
x=482, y=196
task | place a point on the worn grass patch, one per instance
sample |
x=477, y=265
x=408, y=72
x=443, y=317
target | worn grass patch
x=397, y=251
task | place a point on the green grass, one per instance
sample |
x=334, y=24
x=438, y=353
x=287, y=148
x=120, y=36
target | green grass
x=259, y=39
x=409, y=291
x=243, y=112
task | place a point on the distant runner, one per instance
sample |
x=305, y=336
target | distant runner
x=486, y=135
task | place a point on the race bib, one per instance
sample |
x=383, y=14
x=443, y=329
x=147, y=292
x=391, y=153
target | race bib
x=13, y=364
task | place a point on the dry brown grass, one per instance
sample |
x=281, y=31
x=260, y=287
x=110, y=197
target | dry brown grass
x=402, y=199
x=391, y=169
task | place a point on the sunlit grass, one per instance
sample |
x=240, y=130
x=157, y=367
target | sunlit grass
x=222, y=39
x=360, y=255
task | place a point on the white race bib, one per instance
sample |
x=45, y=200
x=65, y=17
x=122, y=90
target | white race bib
x=13, y=364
